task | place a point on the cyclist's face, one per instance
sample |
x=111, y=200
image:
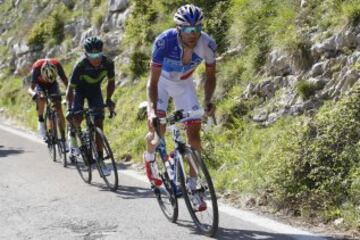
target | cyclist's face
x=94, y=58
x=46, y=79
x=190, y=35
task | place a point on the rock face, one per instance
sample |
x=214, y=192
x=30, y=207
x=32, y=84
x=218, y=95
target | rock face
x=110, y=32
x=279, y=63
x=334, y=72
x=118, y=5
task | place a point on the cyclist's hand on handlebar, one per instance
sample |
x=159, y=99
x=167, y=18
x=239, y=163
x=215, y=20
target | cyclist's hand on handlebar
x=41, y=94
x=34, y=96
x=110, y=104
x=210, y=109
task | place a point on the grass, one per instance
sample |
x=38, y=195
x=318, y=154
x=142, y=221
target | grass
x=126, y=133
x=16, y=101
x=241, y=155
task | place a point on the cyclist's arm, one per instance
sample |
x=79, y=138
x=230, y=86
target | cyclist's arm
x=34, y=76
x=74, y=80
x=62, y=74
x=110, y=89
x=31, y=90
x=69, y=94
x=152, y=88
x=210, y=83
x=111, y=81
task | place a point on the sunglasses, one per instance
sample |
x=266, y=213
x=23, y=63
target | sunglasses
x=94, y=55
x=189, y=29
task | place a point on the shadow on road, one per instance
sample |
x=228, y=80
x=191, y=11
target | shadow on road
x=10, y=151
x=238, y=234
x=124, y=192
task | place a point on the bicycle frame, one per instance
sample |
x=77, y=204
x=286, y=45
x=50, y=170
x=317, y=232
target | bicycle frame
x=179, y=149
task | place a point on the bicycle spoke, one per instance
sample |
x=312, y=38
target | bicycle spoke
x=205, y=217
x=82, y=162
x=165, y=194
x=106, y=165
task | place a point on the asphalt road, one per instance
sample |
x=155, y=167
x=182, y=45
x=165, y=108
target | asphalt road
x=40, y=199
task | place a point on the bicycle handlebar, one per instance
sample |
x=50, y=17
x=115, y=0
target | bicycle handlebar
x=45, y=94
x=177, y=116
x=93, y=110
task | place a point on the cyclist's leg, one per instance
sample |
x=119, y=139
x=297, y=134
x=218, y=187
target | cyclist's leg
x=40, y=107
x=149, y=154
x=186, y=99
x=96, y=102
x=78, y=105
x=162, y=104
x=55, y=90
x=76, y=120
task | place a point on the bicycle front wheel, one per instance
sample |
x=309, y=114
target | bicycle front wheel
x=51, y=135
x=165, y=194
x=205, y=218
x=106, y=165
x=82, y=161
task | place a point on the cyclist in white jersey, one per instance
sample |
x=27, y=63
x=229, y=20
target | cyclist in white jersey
x=176, y=54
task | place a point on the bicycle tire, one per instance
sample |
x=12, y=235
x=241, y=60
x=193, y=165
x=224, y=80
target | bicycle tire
x=207, y=189
x=165, y=194
x=63, y=155
x=61, y=148
x=107, y=160
x=50, y=135
x=82, y=162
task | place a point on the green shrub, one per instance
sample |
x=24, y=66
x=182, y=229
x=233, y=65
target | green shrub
x=96, y=3
x=57, y=28
x=139, y=63
x=217, y=20
x=306, y=89
x=69, y=4
x=351, y=10
x=39, y=35
x=319, y=166
x=49, y=28
x=98, y=18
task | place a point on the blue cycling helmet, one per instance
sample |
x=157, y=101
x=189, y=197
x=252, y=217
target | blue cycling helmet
x=188, y=15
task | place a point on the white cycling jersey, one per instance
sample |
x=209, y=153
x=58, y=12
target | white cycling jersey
x=167, y=53
x=176, y=79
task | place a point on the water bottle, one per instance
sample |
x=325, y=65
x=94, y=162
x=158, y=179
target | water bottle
x=170, y=170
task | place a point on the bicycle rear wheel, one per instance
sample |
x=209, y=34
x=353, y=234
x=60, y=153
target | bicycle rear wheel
x=82, y=162
x=107, y=162
x=165, y=194
x=50, y=135
x=206, y=220
x=62, y=152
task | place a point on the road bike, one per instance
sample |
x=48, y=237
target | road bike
x=89, y=157
x=175, y=175
x=56, y=145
